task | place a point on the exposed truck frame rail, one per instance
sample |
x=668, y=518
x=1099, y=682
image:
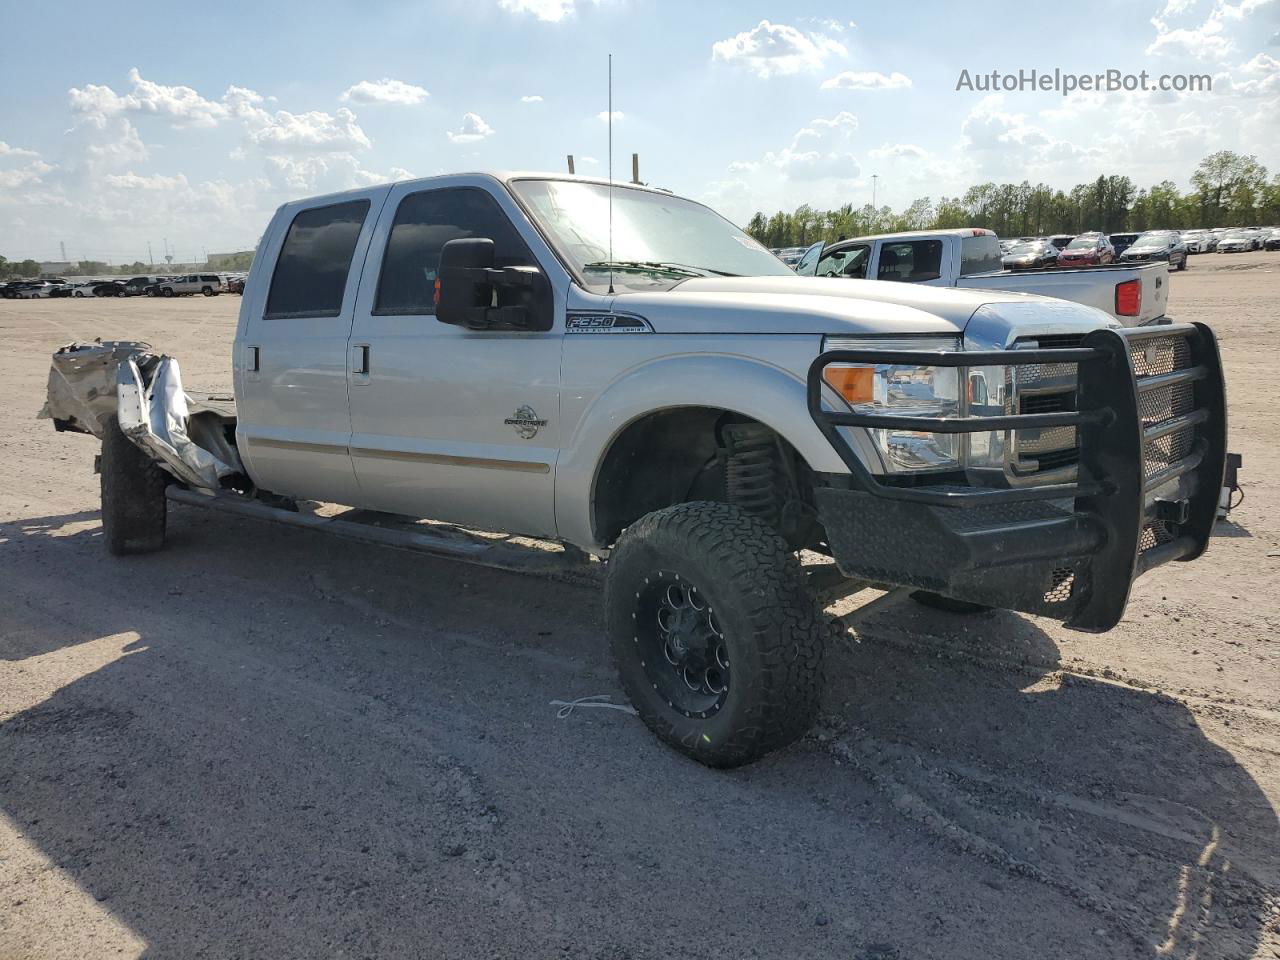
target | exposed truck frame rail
x=1151, y=413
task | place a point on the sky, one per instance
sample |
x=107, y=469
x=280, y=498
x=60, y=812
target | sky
x=187, y=126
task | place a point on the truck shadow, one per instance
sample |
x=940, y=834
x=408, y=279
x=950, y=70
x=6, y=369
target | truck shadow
x=296, y=750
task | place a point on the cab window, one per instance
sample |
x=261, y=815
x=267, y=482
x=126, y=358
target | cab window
x=980, y=254
x=912, y=261
x=424, y=223
x=311, y=273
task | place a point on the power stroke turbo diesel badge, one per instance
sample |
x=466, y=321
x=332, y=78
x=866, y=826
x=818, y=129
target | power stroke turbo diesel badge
x=526, y=422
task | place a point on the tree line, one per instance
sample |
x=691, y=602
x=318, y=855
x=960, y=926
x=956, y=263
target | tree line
x=1227, y=189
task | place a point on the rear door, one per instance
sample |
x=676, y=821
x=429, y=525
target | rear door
x=449, y=423
x=291, y=364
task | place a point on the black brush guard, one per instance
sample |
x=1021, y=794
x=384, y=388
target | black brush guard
x=1152, y=427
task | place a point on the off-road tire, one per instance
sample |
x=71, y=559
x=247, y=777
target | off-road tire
x=774, y=631
x=937, y=601
x=133, y=502
x=167, y=292
x=207, y=291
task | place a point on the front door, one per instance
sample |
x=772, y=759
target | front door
x=448, y=423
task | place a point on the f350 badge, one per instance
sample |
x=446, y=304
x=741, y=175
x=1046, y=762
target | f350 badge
x=526, y=422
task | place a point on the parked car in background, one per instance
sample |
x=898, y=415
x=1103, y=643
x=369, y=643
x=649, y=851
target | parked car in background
x=109, y=288
x=1120, y=242
x=137, y=286
x=235, y=285
x=1133, y=294
x=1197, y=241
x=1060, y=240
x=1087, y=250
x=1237, y=241
x=1163, y=245
x=38, y=289
x=209, y=284
x=1272, y=241
x=1030, y=255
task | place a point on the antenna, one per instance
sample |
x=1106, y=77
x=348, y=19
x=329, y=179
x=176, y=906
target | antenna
x=610, y=173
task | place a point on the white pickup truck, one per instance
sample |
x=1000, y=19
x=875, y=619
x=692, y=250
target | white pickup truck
x=653, y=387
x=970, y=258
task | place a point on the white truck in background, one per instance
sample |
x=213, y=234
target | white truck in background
x=970, y=259
x=624, y=371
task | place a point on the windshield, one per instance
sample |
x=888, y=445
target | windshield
x=1082, y=243
x=1153, y=240
x=1236, y=235
x=658, y=240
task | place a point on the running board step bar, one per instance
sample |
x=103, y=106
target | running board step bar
x=447, y=542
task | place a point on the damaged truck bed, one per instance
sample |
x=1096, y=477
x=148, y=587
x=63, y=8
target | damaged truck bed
x=190, y=436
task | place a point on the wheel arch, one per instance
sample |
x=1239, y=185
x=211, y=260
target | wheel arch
x=665, y=401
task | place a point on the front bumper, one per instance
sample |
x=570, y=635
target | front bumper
x=1151, y=418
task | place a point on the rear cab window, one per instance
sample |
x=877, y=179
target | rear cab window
x=979, y=254
x=310, y=277
x=910, y=261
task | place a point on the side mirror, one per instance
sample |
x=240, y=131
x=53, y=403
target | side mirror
x=471, y=292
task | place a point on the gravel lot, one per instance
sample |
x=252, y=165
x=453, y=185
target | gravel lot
x=265, y=743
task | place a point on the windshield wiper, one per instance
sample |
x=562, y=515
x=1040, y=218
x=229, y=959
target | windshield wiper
x=655, y=266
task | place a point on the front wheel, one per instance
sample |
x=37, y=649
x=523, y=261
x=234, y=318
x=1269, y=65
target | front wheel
x=717, y=642
x=168, y=291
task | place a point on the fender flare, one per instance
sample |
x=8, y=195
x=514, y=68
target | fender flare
x=737, y=384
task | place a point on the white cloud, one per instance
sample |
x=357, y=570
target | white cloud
x=385, y=90
x=814, y=164
x=132, y=181
x=532, y=98
x=898, y=151
x=1203, y=42
x=588, y=160
x=844, y=120
x=743, y=166
x=551, y=11
x=851, y=80
x=311, y=132
x=770, y=49
x=180, y=104
x=603, y=116
x=473, y=128
x=1258, y=77
x=819, y=150
x=8, y=151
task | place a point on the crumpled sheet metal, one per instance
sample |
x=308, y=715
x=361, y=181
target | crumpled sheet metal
x=88, y=382
x=155, y=415
x=82, y=383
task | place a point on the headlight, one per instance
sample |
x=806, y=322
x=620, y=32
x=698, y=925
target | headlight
x=904, y=391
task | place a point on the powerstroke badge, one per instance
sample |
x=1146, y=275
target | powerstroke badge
x=606, y=323
x=526, y=422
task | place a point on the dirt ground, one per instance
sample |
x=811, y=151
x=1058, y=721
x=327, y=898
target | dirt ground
x=262, y=742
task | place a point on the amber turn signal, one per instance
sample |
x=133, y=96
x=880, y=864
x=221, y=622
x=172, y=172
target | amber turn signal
x=855, y=384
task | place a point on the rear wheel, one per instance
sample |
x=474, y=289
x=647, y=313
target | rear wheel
x=207, y=291
x=717, y=642
x=133, y=503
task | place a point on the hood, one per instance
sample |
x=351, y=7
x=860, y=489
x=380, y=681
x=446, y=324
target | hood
x=823, y=305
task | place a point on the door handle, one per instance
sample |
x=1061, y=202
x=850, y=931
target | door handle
x=360, y=363
x=252, y=362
